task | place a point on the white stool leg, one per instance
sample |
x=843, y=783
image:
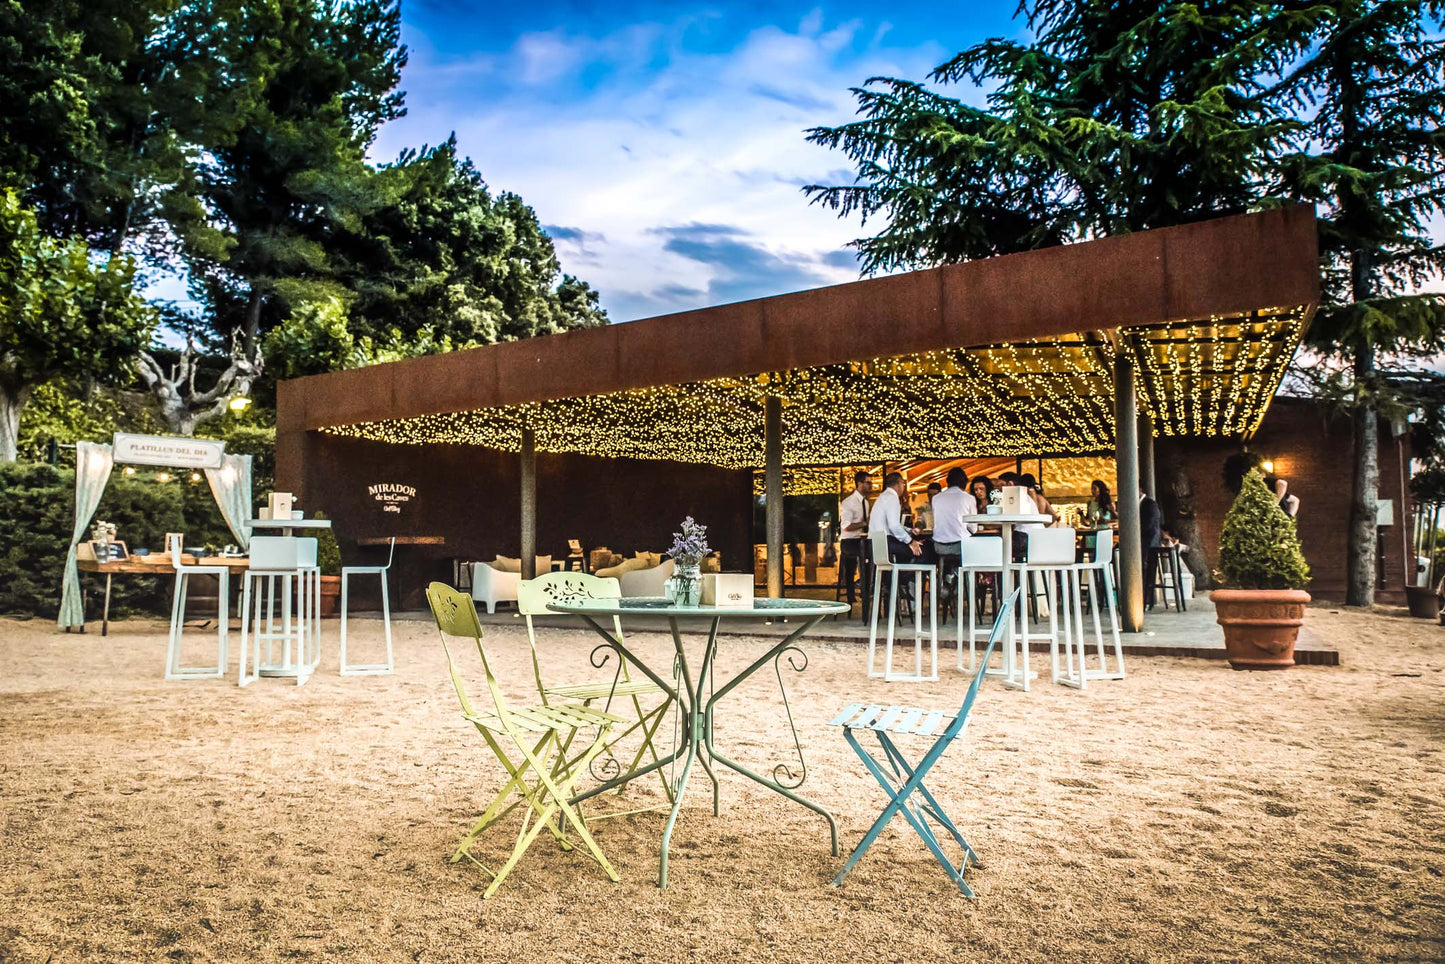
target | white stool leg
x=386, y=622
x=873, y=628
x=173, y=646
x=246, y=580
x=344, y=600
x=917, y=625
x=933, y=624
x=892, y=608
x=1114, y=621
x=223, y=630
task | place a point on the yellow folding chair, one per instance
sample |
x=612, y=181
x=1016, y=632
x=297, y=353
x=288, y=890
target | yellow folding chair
x=533, y=597
x=543, y=778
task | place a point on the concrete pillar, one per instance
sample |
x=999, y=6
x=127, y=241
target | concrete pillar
x=529, y=504
x=773, y=489
x=1126, y=444
x=1146, y=456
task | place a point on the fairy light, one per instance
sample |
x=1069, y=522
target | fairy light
x=1017, y=399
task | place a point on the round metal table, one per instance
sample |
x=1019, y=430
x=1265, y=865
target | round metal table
x=690, y=692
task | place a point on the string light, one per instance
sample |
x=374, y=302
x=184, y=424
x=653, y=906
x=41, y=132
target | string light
x=1018, y=399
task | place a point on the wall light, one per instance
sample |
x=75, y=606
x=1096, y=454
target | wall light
x=1268, y=467
x=240, y=403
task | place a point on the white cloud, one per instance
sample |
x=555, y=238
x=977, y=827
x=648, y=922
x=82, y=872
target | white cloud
x=661, y=136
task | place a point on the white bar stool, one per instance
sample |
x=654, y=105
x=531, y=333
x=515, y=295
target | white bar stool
x=1101, y=566
x=368, y=669
x=881, y=564
x=174, y=669
x=1050, y=553
x=289, y=564
x=977, y=554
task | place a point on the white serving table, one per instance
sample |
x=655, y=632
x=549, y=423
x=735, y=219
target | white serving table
x=300, y=668
x=288, y=527
x=1013, y=672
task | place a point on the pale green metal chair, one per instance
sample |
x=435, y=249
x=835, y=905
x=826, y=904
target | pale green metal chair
x=541, y=776
x=533, y=597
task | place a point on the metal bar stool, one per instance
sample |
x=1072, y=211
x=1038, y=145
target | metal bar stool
x=368, y=669
x=881, y=564
x=289, y=564
x=174, y=669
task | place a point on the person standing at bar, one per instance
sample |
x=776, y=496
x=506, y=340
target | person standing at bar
x=853, y=521
x=1151, y=524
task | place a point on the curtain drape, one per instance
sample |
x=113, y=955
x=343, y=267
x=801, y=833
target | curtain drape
x=231, y=485
x=93, y=461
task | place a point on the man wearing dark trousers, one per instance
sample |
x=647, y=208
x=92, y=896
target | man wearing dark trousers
x=1151, y=527
x=853, y=523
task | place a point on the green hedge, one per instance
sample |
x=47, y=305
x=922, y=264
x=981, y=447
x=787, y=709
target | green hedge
x=37, y=514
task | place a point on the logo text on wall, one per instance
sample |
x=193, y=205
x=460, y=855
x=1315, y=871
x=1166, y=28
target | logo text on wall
x=391, y=495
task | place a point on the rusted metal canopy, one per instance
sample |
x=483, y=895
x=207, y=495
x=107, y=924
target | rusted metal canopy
x=994, y=357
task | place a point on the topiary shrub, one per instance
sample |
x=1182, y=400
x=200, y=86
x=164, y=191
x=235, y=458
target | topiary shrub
x=1259, y=547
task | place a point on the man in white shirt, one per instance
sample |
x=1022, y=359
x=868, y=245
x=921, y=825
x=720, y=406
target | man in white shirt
x=949, y=529
x=853, y=525
x=887, y=516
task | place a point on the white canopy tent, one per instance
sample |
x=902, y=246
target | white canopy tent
x=229, y=477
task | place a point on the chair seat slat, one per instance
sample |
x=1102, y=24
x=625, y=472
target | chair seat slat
x=867, y=716
x=886, y=720
x=909, y=721
x=597, y=691
x=848, y=713
x=930, y=723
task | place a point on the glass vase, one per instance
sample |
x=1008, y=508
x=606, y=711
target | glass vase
x=686, y=584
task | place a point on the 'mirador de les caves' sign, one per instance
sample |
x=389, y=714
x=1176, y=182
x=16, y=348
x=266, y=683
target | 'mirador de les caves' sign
x=391, y=496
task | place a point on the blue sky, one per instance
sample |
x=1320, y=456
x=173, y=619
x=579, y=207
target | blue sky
x=662, y=143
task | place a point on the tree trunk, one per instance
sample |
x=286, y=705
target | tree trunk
x=1364, y=536
x=12, y=403
x=1176, y=490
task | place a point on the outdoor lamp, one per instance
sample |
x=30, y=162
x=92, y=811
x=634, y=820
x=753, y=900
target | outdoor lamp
x=163, y=476
x=240, y=403
x=129, y=470
x=195, y=476
x=1268, y=466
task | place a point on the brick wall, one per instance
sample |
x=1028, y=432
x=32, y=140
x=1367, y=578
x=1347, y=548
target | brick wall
x=1314, y=451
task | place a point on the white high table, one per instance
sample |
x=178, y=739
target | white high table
x=1013, y=675
x=300, y=668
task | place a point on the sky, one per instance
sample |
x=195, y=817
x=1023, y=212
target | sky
x=662, y=144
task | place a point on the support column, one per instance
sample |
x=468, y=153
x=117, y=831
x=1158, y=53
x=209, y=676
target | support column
x=1146, y=456
x=1126, y=445
x=773, y=490
x=529, y=503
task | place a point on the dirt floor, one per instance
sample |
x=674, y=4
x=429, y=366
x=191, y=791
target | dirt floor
x=1187, y=813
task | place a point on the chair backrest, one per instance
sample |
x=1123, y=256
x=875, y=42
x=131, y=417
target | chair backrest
x=879, y=542
x=1103, y=549
x=981, y=552
x=1051, y=547
x=278, y=553
x=456, y=615
x=1000, y=624
x=533, y=596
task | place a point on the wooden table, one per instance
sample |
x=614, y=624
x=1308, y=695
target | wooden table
x=161, y=567
x=403, y=541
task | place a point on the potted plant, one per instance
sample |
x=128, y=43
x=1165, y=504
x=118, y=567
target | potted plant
x=328, y=557
x=1264, y=573
x=1428, y=487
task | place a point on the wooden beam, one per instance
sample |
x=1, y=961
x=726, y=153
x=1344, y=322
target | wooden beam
x=1131, y=562
x=528, y=459
x=773, y=490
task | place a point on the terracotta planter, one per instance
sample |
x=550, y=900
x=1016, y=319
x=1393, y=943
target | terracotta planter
x=330, y=596
x=1260, y=625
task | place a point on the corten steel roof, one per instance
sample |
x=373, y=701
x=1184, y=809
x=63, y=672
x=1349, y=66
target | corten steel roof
x=1004, y=356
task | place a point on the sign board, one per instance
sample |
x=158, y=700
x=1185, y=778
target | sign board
x=391, y=496
x=168, y=450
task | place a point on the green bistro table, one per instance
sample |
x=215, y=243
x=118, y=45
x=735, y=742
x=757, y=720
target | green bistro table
x=696, y=707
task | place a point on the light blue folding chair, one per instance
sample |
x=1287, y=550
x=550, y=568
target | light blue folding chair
x=900, y=780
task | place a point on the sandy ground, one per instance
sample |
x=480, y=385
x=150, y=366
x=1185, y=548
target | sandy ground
x=1188, y=813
